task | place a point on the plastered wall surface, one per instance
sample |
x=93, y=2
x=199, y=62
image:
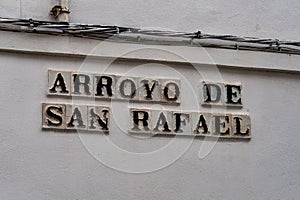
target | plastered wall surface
x=258, y=18
x=40, y=164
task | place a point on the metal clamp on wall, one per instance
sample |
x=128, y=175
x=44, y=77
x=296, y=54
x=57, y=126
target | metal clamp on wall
x=61, y=13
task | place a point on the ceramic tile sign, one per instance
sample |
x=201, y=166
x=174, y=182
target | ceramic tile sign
x=107, y=86
x=223, y=94
x=169, y=122
x=103, y=87
x=75, y=117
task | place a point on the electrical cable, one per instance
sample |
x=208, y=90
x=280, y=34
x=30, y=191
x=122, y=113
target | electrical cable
x=135, y=35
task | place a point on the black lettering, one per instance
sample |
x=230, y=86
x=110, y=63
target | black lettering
x=238, y=127
x=201, y=126
x=84, y=83
x=104, y=82
x=162, y=122
x=179, y=120
x=102, y=122
x=149, y=89
x=60, y=83
x=212, y=93
x=132, y=88
x=55, y=113
x=76, y=117
x=221, y=124
x=233, y=94
x=137, y=119
x=175, y=96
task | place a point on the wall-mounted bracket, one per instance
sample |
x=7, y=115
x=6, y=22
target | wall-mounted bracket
x=60, y=12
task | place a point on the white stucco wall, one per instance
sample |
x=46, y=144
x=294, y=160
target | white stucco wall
x=258, y=18
x=39, y=164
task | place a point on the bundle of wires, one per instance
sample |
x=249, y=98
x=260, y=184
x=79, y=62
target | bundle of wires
x=136, y=35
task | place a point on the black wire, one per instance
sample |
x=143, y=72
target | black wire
x=102, y=32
